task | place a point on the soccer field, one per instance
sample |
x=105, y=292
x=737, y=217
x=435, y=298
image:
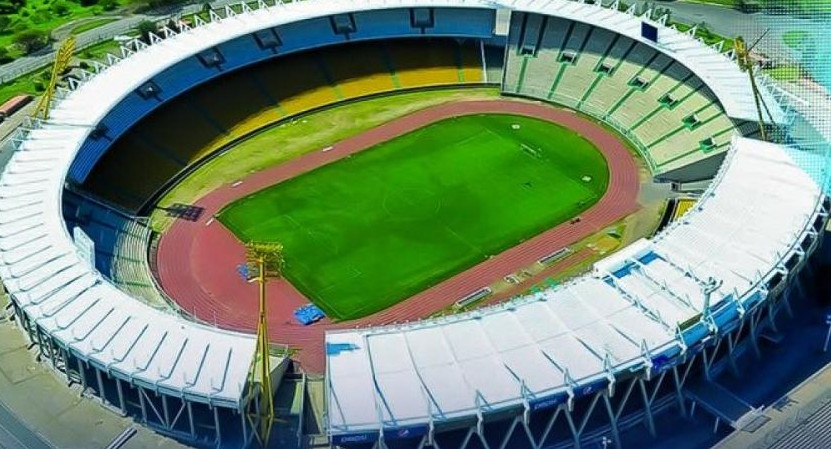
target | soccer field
x=370, y=230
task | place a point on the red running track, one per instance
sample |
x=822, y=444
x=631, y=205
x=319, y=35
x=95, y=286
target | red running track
x=197, y=260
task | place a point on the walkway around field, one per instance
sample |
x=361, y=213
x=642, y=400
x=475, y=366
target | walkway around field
x=197, y=260
x=798, y=421
x=39, y=411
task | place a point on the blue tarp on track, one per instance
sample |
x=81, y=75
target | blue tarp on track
x=309, y=314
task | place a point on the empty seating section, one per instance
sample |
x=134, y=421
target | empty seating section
x=580, y=76
x=391, y=22
x=660, y=104
x=416, y=64
x=114, y=123
x=131, y=173
x=238, y=109
x=296, y=83
x=572, y=54
x=470, y=63
x=131, y=269
x=641, y=99
x=359, y=72
x=511, y=72
x=121, y=245
x=182, y=129
x=215, y=114
x=607, y=67
x=494, y=63
x=613, y=89
x=537, y=69
x=467, y=22
x=180, y=77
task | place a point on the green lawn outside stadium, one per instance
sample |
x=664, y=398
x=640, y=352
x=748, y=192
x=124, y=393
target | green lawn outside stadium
x=370, y=230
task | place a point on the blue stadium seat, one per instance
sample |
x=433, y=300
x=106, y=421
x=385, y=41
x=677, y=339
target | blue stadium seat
x=468, y=22
x=181, y=77
x=242, y=51
x=388, y=23
x=88, y=155
x=307, y=34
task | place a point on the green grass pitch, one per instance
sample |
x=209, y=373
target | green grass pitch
x=372, y=229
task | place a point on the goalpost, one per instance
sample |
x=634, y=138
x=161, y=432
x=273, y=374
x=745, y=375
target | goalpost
x=531, y=151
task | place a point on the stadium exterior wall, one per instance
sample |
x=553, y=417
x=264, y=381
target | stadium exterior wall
x=179, y=413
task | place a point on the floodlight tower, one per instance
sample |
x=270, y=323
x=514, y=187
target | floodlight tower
x=748, y=65
x=62, y=61
x=265, y=261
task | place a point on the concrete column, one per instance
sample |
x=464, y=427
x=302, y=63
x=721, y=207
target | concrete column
x=218, y=430
x=82, y=372
x=612, y=420
x=100, y=385
x=190, y=420
x=166, y=412
x=142, y=401
x=121, y=402
x=650, y=422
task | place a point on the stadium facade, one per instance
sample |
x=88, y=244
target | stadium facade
x=598, y=355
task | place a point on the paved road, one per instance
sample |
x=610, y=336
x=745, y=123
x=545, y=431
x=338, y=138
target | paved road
x=15, y=435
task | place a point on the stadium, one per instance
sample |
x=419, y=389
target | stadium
x=423, y=164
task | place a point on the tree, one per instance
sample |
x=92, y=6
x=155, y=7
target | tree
x=31, y=41
x=145, y=27
x=7, y=8
x=60, y=8
x=5, y=56
x=5, y=24
x=109, y=5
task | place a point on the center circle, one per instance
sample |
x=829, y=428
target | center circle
x=410, y=204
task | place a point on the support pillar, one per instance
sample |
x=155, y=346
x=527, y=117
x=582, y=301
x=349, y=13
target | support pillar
x=612, y=420
x=732, y=359
x=83, y=374
x=650, y=421
x=65, y=355
x=121, y=402
x=143, y=404
x=754, y=335
x=218, y=430
x=166, y=413
x=100, y=386
x=681, y=404
x=191, y=424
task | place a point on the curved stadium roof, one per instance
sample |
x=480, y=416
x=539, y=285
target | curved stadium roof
x=546, y=346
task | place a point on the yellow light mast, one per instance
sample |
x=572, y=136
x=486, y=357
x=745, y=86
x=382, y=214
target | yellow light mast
x=62, y=61
x=748, y=65
x=265, y=262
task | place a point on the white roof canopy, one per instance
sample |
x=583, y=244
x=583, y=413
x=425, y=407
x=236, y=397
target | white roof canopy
x=629, y=308
x=68, y=299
